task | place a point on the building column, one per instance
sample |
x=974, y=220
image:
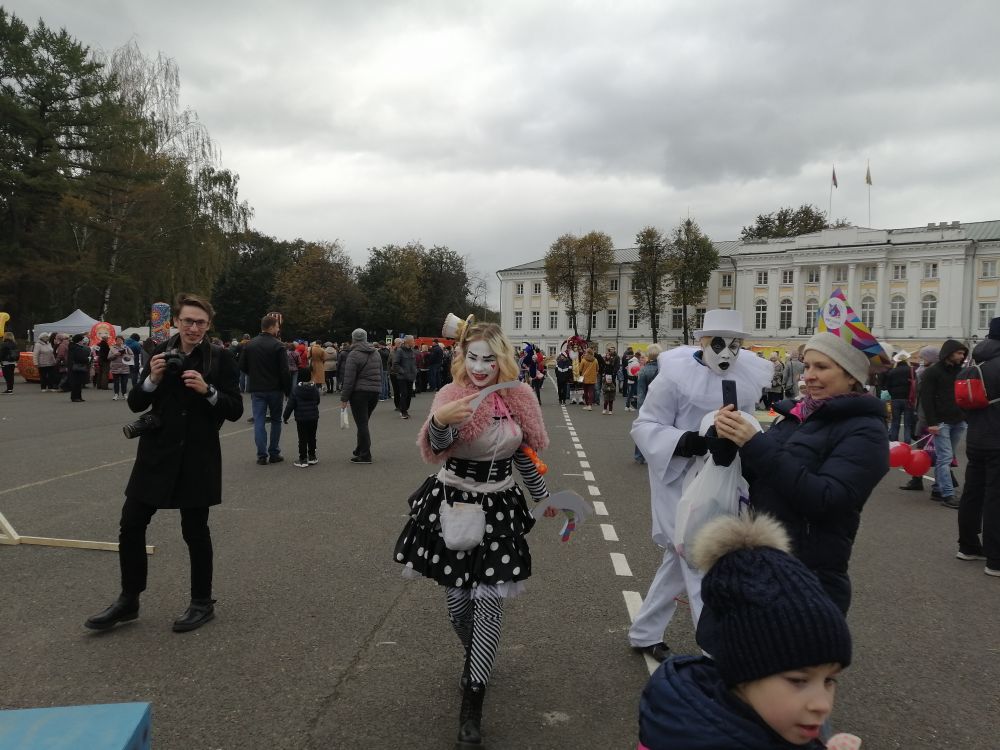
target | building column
x=881, y=322
x=824, y=284
x=798, y=299
x=773, y=300
x=914, y=272
x=852, y=288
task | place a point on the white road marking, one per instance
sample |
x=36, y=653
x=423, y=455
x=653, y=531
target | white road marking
x=621, y=564
x=589, y=476
x=594, y=491
x=633, y=603
x=610, y=535
x=581, y=454
x=572, y=475
x=599, y=508
x=585, y=464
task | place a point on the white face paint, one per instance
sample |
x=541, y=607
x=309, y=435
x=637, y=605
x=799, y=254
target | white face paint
x=481, y=364
x=720, y=354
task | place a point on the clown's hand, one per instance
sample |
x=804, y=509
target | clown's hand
x=550, y=512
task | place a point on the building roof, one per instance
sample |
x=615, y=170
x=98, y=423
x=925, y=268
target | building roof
x=974, y=230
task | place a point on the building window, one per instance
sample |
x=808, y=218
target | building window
x=552, y=350
x=930, y=270
x=633, y=318
x=812, y=310
x=612, y=319
x=634, y=284
x=726, y=281
x=553, y=320
x=868, y=311
x=989, y=269
x=656, y=321
x=518, y=288
x=571, y=322
x=536, y=288
x=760, y=314
x=676, y=318
x=785, y=314
x=987, y=311
x=788, y=277
x=699, y=317
x=840, y=275
x=593, y=321
x=869, y=273
x=518, y=320
x=536, y=320
x=762, y=278
x=928, y=311
x=812, y=276
x=613, y=285
x=897, y=312
x=899, y=272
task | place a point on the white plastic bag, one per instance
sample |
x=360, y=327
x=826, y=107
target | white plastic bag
x=345, y=420
x=715, y=491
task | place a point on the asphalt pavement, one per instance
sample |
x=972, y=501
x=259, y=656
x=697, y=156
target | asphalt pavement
x=319, y=643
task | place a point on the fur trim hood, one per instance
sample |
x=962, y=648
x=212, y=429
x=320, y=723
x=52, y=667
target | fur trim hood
x=729, y=534
x=522, y=404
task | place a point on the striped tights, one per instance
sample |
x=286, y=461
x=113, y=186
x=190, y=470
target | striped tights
x=477, y=623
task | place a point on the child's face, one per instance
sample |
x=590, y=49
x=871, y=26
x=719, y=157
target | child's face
x=794, y=704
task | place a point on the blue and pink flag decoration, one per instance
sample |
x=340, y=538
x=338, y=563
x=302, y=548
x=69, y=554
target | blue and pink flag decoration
x=838, y=317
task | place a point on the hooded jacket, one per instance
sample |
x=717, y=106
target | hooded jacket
x=686, y=706
x=304, y=401
x=984, y=424
x=937, y=388
x=404, y=363
x=362, y=371
x=897, y=380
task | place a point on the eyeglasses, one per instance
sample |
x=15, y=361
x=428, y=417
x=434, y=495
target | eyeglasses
x=192, y=323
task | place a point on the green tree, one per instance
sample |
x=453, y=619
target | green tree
x=691, y=258
x=243, y=292
x=564, y=274
x=650, y=277
x=790, y=222
x=392, y=288
x=597, y=255
x=313, y=288
x=446, y=287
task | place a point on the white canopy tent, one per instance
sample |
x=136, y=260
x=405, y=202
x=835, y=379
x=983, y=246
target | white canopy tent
x=76, y=322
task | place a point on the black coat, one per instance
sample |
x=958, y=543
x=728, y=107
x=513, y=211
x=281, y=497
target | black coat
x=816, y=476
x=897, y=381
x=984, y=424
x=265, y=361
x=180, y=464
x=937, y=388
x=304, y=401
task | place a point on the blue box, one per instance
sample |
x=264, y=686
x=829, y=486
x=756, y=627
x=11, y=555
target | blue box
x=112, y=726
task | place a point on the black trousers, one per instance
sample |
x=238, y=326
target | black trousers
x=363, y=403
x=979, y=507
x=405, y=390
x=307, y=438
x=8, y=376
x=136, y=516
x=76, y=380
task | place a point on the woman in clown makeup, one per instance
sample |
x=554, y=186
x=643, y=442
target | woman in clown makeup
x=479, y=445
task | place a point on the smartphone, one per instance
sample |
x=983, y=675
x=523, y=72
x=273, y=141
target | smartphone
x=729, y=394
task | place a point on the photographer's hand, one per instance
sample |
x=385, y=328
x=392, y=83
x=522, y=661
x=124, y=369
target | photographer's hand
x=156, y=367
x=193, y=380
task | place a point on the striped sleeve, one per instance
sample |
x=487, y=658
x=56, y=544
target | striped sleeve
x=532, y=479
x=440, y=437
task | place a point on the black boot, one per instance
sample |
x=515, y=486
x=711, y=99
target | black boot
x=124, y=609
x=469, y=735
x=198, y=613
x=463, y=682
x=915, y=483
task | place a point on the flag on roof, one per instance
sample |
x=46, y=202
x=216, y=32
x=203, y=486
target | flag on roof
x=838, y=317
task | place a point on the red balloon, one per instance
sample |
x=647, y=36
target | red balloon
x=918, y=463
x=899, y=454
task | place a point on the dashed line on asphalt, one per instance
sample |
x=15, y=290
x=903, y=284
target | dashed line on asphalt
x=610, y=535
x=633, y=603
x=589, y=476
x=600, y=508
x=621, y=564
x=594, y=490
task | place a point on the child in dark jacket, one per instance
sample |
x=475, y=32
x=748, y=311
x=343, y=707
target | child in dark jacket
x=304, y=401
x=778, y=642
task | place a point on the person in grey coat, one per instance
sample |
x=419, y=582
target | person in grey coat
x=361, y=383
x=404, y=369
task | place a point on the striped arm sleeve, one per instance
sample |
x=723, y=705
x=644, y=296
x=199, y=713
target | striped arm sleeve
x=532, y=479
x=440, y=437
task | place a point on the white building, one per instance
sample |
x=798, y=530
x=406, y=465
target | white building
x=912, y=287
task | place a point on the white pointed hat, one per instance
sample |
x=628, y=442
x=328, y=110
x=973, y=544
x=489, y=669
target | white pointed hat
x=725, y=323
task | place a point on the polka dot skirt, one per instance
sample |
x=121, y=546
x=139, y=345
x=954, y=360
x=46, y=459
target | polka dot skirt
x=503, y=555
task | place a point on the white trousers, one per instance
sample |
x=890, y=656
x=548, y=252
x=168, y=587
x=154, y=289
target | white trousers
x=673, y=577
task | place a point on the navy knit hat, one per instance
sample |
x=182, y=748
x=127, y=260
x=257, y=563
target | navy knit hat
x=765, y=612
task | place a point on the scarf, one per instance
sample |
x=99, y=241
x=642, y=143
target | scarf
x=809, y=405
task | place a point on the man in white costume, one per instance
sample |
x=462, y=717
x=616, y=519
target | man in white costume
x=687, y=387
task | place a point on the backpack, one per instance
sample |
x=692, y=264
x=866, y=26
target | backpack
x=970, y=390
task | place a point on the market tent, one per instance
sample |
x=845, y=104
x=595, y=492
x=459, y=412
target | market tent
x=76, y=322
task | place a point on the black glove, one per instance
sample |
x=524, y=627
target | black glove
x=691, y=444
x=723, y=450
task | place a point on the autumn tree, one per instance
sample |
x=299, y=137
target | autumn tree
x=597, y=255
x=564, y=275
x=313, y=288
x=790, y=222
x=650, y=277
x=691, y=258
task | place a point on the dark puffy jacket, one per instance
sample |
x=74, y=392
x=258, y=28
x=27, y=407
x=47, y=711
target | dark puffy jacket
x=304, y=401
x=937, y=388
x=265, y=361
x=404, y=362
x=815, y=477
x=897, y=381
x=685, y=706
x=362, y=371
x=435, y=355
x=984, y=424
x=647, y=374
x=8, y=351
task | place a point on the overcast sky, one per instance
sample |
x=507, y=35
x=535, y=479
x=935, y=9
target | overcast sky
x=493, y=127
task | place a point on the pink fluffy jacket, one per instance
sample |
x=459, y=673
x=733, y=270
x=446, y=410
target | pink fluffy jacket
x=520, y=401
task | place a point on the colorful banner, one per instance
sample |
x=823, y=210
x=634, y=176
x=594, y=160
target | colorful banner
x=159, y=322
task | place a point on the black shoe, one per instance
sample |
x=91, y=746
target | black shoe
x=250, y=420
x=659, y=651
x=276, y=459
x=361, y=460
x=916, y=483
x=470, y=718
x=262, y=460
x=954, y=480
x=936, y=496
x=125, y=609
x=950, y=502
x=198, y=613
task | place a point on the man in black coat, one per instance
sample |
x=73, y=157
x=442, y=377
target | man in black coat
x=191, y=388
x=944, y=419
x=265, y=362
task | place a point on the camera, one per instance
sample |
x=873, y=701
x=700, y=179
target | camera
x=145, y=424
x=175, y=360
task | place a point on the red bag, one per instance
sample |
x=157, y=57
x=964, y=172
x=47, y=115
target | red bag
x=970, y=390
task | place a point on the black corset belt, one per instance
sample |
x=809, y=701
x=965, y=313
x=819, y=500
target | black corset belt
x=480, y=470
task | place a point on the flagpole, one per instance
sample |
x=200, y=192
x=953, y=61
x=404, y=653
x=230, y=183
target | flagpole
x=868, y=181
